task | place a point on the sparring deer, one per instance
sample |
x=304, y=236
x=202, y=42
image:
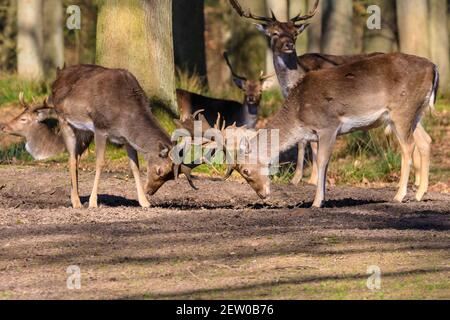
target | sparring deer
x=394, y=89
x=111, y=104
x=243, y=114
x=290, y=68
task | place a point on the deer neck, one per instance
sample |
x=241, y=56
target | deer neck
x=288, y=70
x=250, y=117
x=145, y=134
x=43, y=143
x=291, y=130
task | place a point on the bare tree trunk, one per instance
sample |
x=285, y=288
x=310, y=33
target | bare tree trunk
x=384, y=39
x=412, y=20
x=30, y=64
x=137, y=35
x=338, y=27
x=439, y=43
x=315, y=29
x=53, y=35
x=217, y=35
x=189, y=36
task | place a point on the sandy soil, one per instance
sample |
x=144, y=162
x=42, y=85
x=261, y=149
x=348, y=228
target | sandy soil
x=219, y=242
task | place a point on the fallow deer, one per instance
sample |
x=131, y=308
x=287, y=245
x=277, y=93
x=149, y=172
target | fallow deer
x=290, y=68
x=111, y=104
x=393, y=89
x=43, y=139
x=243, y=114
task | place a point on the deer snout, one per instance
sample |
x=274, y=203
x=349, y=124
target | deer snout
x=3, y=127
x=288, y=47
x=264, y=193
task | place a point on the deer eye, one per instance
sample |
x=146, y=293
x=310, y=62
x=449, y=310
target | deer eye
x=23, y=120
x=246, y=172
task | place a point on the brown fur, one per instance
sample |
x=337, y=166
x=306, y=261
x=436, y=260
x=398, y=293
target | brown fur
x=112, y=104
x=393, y=88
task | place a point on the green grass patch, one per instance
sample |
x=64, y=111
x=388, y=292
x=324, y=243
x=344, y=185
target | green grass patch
x=11, y=86
x=15, y=152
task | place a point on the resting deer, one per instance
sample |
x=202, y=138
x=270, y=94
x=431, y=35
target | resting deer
x=111, y=104
x=41, y=131
x=393, y=89
x=243, y=114
x=290, y=68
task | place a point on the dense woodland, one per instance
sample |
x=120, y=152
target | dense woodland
x=154, y=38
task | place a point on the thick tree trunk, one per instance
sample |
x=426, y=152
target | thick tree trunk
x=439, y=43
x=412, y=20
x=137, y=35
x=384, y=39
x=315, y=29
x=338, y=27
x=53, y=35
x=217, y=35
x=30, y=65
x=189, y=36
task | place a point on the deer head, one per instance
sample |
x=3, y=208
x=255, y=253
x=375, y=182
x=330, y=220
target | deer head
x=26, y=122
x=252, y=89
x=282, y=35
x=237, y=144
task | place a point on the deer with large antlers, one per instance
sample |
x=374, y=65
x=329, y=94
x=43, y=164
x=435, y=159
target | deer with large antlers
x=290, y=67
x=111, y=104
x=393, y=89
x=43, y=137
x=243, y=114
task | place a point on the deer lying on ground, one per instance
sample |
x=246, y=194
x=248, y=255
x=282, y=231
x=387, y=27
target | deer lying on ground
x=41, y=132
x=243, y=114
x=290, y=68
x=111, y=104
x=394, y=89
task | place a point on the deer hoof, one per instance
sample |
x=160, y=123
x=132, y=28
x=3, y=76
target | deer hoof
x=144, y=204
x=296, y=180
x=419, y=195
x=399, y=198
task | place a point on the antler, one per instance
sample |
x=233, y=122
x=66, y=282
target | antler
x=311, y=14
x=237, y=7
x=263, y=77
x=225, y=55
x=22, y=101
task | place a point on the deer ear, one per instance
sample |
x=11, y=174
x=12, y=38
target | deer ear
x=262, y=28
x=240, y=83
x=302, y=27
x=163, y=150
x=268, y=83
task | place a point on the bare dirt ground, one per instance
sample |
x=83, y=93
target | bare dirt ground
x=219, y=242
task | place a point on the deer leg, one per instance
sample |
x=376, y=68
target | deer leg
x=324, y=151
x=298, y=176
x=417, y=158
x=423, y=145
x=134, y=165
x=407, y=148
x=71, y=145
x=314, y=169
x=100, y=149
